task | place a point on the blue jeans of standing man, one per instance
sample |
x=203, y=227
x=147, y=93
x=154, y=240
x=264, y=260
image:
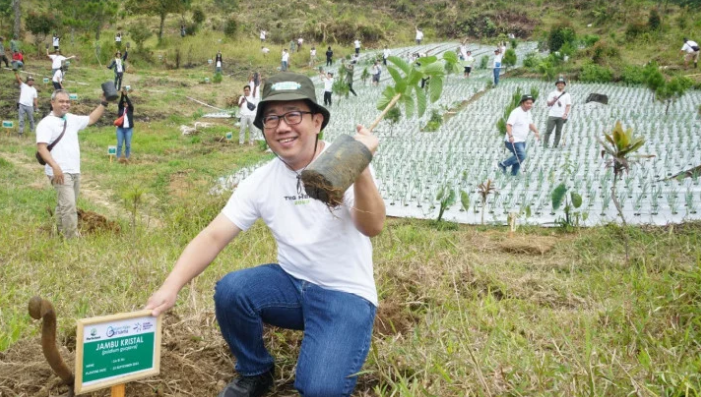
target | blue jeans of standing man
x=124, y=137
x=496, y=76
x=518, y=151
x=337, y=327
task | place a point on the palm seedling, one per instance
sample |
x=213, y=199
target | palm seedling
x=485, y=189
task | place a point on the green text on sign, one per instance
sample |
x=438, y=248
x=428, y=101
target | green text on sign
x=7, y=124
x=119, y=356
x=112, y=150
x=73, y=97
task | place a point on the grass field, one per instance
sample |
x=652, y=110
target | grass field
x=465, y=311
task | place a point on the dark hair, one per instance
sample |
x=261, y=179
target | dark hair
x=329, y=47
x=247, y=86
x=330, y=74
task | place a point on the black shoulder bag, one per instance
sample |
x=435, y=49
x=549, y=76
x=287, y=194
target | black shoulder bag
x=51, y=146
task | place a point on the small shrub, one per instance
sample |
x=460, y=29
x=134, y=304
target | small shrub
x=559, y=35
x=589, y=40
x=484, y=61
x=217, y=78
x=531, y=60
x=509, y=59
x=140, y=32
x=602, y=51
x=633, y=74
x=198, y=15
x=635, y=29
x=231, y=27
x=595, y=74
x=654, y=21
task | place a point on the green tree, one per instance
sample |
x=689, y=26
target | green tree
x=5, y=12
x=161, y=8
x=672, y=90
x=509, y=59
x=100, y=12
x=139, y=32
x=40, y=24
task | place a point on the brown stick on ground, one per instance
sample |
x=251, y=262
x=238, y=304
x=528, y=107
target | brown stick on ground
x=42, y=309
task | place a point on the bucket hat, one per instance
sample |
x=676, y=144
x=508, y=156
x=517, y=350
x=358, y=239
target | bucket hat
x=561, y=80
x=526, y=97
x=289, y=87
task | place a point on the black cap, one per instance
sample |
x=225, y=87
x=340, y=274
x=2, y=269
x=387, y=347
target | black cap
x=526, y=98
x=289, y=87
x=561, y=80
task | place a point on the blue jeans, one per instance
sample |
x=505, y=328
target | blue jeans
x=124, y=137
x=283, y=66
x=496, y=76
x=518, y=151
x=337, y=327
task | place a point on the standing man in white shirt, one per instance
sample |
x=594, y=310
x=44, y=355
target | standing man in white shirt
x=285, y=61
x=560, y=103
x=57, y=60
x=386, y=53
x=517, y=126
x=467, y=63
x=419, y=36
x=27, y=102
x=262, y=36
x=57, y=79
x=357, y=46
x=327, y=78
x=322, y=283
x=63, y=161
x=246, y=101
x=55, y=40
x=497, y=66
x=691, y=48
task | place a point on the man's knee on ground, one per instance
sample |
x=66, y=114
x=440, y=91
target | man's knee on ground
x=319, y=385
x=231, y=292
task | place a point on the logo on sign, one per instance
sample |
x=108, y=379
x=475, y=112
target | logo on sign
x=112, y=331
x=93, y=335
x=137, y=327
x=147, y=325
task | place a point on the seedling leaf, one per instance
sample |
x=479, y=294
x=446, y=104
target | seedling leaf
x=400, y=63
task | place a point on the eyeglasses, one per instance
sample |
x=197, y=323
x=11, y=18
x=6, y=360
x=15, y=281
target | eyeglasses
x=291, y=118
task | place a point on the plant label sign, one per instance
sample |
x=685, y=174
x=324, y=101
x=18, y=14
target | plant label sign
x=73, y=97
x=7, y=124
x=116, y=349
x=46, y=80
x=209, y=61
x=229, y=135
x=112, y=150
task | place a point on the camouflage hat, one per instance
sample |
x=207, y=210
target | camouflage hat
x=289, y=87
x=560, y=80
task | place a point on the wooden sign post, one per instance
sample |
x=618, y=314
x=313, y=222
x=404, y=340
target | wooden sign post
x=113, y=350
x=111, y=151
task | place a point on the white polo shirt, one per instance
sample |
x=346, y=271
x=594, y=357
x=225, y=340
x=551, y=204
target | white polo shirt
x=314, y=243
x=558, y=108
x=687, y=46
x=285, y=56
x=66, y=153
x=56, y=61
x=58, y=76
x=27, y=95
x=520, y=122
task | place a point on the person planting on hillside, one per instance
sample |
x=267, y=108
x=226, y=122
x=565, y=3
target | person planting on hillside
x=183, y=32
x=17, y=60
x=262, y=36
x=376, y=71
x=357, y=46
x=560, y=103
x=3, y=57
x=27, y=102
x=218, y=62
x=467, y=63
x=118, y=66
x=350, y=68
x=386, y=53
x=126, y=130
x=312, y=57
x=14, y=44
x=63, y=161
x=57, y=79
x=55, y=40
x=419, y=36
x=300, y=41
x=118, y=40
x=497, y=66
x=285, y=60
x=327, y=78
x=57, y=60
x=329, y=56
x=323, y=282
x=247, y=106
x=517, y=126
x=691, y=48
x=265, y=50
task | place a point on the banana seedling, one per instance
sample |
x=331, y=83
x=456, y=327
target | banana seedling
x=572, y=202
x=446, y=198
x=485, y=189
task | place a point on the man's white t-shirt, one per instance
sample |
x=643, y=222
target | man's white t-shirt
x=328, y=84
x=118, y=39
x=285, y=56
x=419, y=35
x=56, y=61
x=244, y=106
x=314, y=243
x=558, y=108
x=520, y=122
x=357, y=43
x=386, y=53
x=469, y=61
x=312, y=53
x=58, y=76
x=66, y=153
x=55, y=41
x=687, y=46
x=497, y=61
x=262, y=34
x=375, y=69
x=118, y=65
x=27, y=95
x=265, y=50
